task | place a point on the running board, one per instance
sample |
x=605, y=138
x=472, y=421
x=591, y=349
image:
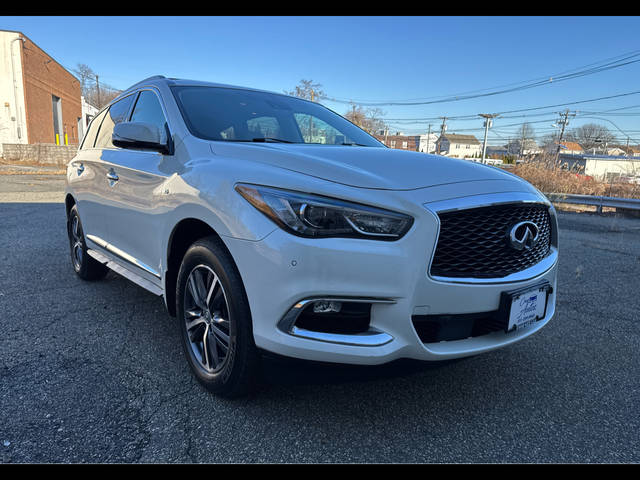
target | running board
x=125, y=272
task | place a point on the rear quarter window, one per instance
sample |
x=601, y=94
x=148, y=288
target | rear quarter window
x=117, y=113
x=90, y=137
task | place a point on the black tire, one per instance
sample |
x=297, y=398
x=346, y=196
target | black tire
x=85, y=266
x=217, y=313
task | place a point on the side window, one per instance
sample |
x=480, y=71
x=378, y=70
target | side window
x=117, y=113
x=90, y=136
x=148, y=110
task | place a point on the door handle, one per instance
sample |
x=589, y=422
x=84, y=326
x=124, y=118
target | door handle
x=113, y=177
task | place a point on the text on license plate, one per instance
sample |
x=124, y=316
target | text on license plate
x=527, y=307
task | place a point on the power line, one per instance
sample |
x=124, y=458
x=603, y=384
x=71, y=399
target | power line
x=627, y=60
x=530, y=109
x=618, y=58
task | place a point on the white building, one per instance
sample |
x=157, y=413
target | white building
x=603, y=167
x=526, y=147
x=88, y=112
x=39, y=98
x=427, y=143
x=13, y=120
x=459, y=146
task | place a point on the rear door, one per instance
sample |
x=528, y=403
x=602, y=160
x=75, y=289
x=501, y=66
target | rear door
x=86, y=179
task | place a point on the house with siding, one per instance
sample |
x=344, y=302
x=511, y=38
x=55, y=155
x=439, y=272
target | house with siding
x=459, y=146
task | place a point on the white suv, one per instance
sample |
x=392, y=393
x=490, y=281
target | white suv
x=268, y=222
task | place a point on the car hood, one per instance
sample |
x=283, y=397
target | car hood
x=365, y=167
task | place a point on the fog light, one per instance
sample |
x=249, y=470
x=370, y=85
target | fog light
x=326, y=306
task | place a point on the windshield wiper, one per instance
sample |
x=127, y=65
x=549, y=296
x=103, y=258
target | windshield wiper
x=270, y=139
x=354, y=144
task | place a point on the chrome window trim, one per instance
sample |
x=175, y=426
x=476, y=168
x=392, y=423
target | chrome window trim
x=489, y=200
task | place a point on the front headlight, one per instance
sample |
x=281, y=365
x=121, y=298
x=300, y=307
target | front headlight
x=311, y=215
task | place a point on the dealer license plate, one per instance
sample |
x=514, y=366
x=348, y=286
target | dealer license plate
x=527, y=307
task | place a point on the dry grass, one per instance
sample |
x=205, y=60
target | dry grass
x=555, y=180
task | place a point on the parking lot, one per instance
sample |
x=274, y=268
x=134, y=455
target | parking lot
x=94, y=371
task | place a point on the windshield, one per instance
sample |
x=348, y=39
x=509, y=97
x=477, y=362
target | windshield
x=228, y=114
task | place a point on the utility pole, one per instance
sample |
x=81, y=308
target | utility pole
x=429, y=138
x=488, y=120
x=311, y=121
x=443, y=128
x=98, y=88
x=564, y=122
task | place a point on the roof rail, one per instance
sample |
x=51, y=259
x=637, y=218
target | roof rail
x=154, y=77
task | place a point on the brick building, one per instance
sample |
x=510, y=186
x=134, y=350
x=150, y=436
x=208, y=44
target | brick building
x=40, y=101
x=417, y=143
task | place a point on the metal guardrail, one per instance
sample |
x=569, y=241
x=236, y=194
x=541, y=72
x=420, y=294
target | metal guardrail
x=598, y=201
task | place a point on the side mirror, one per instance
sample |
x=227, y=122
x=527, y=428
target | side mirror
x=140, y=135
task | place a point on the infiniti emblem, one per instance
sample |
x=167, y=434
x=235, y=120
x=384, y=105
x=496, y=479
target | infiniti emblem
x=523, y=235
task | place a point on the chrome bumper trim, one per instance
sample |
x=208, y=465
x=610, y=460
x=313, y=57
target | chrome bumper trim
x=371, y=338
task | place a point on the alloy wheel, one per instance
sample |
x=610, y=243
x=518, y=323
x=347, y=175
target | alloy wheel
x=206, y=315
x=75, y=235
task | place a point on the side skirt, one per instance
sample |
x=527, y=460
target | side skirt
x=126, y=272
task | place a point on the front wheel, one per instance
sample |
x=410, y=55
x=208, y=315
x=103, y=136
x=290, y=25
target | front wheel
x=215, y=320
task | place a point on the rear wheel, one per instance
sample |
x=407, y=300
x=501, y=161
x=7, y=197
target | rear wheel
x=215, y=320
x=85, y=266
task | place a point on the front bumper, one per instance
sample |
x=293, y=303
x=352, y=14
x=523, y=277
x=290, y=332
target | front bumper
x=282, y=270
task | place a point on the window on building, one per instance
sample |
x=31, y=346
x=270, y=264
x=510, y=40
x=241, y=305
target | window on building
x=117, y=113
x=404, y=144
x=393, y=144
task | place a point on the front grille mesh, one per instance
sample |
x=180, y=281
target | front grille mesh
x=473, y=243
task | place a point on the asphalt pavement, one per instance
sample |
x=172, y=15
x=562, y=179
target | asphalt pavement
x=94, y=371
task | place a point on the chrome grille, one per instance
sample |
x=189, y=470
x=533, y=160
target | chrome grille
x=473, y=243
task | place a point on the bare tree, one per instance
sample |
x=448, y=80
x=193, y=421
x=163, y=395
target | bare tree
x=87, y=77
x=591, y=136
x=95, y=93
x=308, y=90
x=524, y=142
x=368, y=119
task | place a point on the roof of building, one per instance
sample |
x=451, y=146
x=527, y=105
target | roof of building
x=465, y=139
x=589, y=156
x=47, y=54
x=573, y=146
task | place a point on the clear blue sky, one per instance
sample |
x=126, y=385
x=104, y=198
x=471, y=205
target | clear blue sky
x=368, y=59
